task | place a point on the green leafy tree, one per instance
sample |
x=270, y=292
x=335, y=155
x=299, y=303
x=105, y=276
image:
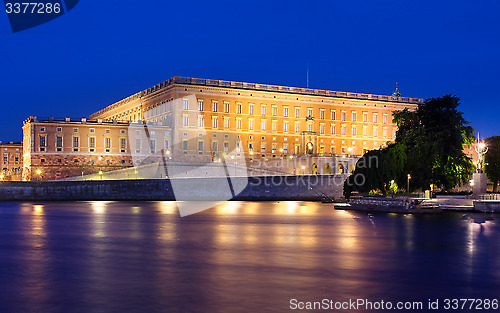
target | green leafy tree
x=428, y=146
x=492, y=161
x=435, y=134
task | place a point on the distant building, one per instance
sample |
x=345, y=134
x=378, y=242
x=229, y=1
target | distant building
x=58, y=148
x=12, y=161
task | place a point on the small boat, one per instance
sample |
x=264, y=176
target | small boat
x=391, y=205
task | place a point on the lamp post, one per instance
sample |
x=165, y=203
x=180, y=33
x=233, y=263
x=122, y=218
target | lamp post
x=408, y=184
x=303, y=170
x=39, y=172
x=100, y=174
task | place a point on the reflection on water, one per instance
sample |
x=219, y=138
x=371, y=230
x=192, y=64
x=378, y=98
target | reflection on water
x=236, y=257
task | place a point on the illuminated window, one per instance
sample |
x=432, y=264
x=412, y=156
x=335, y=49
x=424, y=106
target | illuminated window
x=263, y=125
x=354, y=116
x=343, y=130
x=250, y=124
x=297, y=127
x=343, y=116
x=238, y=124
x=275, y=111
x=297, y=112
x=226, y=107
x=375, y=118
x=354, y=130
x=332, y=115
x=226, y=123
x=200, y=105
x=107, y=144
x=322, y=114
x=214, y=122
x=285, y=126
x=250, y=109
x=185, y=104
x=275, y=126
x=263, y=110
x=285, y=111
x=321, y=129
x=365, y=117
x=384, y=119
x=214, y=106
x=238, y=108
x=332, y=129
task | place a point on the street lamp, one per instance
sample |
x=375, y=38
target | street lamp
x=100, y=174
x=1, y=176
x=408, y=184
x=303, y=170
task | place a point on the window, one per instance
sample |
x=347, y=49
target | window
x=393, y=133
x=333, y=115
x=238, y=124
x=274, y=148
x=185, y=121
x=59, y=129
x=375, y=131
x=214, y=106
x=91, y=144
x=263, y=148
x=297, y=113
x=123, y=144
x=43, y=141
x=309, y=112
x=309, y=127
x=123, y=131
x=167, y=144
x=365, y=130
x=250, y=146
x=263, y=125
x=5, y=158
x=200, y=145
x=384, y=119
x=138, y=145
x=250, y=109
x=384, y=132
x=214, y=122
x=285, y=148
x=16, y=158
x=322, y=114
x=238, y=108
x=42, y=129
x=152, y=145
x=332, y=129
x=285, y=126
x=275, y=126
x=75, y=130
x=321, y=129
x=226, y=107
x=342, y=130
x=200, y=105
x=354, y=130
x=226, y=146
x=263, y=110
x=365, y=117
x=107, y=144
x=214, y=146
x=375, y=118
x=250, y=124
x=226, y=123
x=184, y=145
x=297, y=127
x=76, y=143
x=185, y=104
x=275, y=111
x=107, y=130
x=343, y=116
x=354, y=116
x=201, y=121
x=59, y=143
x=285, y=111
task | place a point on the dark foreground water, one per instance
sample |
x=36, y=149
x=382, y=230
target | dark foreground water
x=237, y=257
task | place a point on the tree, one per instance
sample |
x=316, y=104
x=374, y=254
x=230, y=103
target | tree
x=492, y=161
x=429, y=146
x=435, y=134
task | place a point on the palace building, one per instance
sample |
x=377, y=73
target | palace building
x=204, y=120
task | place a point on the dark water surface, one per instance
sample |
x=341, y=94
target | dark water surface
x=236, y=257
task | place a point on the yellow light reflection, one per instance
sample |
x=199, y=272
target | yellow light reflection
x=228, y=207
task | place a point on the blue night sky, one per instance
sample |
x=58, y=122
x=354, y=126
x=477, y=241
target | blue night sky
x=103, y=51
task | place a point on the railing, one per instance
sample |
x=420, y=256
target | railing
x=489, y=196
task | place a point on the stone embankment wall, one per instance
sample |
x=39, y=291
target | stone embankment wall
x=265, y=188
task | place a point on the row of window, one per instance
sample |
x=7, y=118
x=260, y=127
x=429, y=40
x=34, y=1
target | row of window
x=76, y=143
x=274, y=112
x=6, y=158
x=76, y=130
x=274, y=126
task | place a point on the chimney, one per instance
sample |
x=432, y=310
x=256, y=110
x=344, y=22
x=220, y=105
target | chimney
x=84, y=120
x=67, y=119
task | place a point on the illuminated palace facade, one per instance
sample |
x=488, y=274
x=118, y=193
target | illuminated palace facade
x=203, y=120
x=209, y=118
